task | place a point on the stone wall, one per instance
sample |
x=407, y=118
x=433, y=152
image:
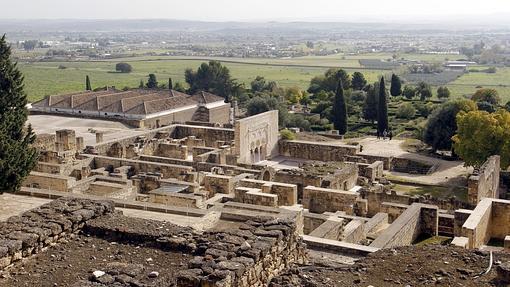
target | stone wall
x=316, y=150
x=256, y=137
x=35, y=230
x=477, y=226
x=172, y=150
x=319, y=200
x=175, y=199
x=485, y=183
x=286, y=193
x=210, y=135
x=49, y=181
x=416, y=220
x=248, y=256
x=166, y=170
x=219, y=183
x=371, y=171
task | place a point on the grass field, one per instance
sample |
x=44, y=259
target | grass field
x=44, y=78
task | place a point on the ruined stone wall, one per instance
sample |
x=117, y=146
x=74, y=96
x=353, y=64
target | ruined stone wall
x=477, y=226
x=500, y=219
x=485, y=183
x=210, y=135
x=49, y=181
x=166, y=170
x=172, y=150
x=248, y=256
x=319, y=200
x=417, y=219
x=22, y=236
x=45, y=142
x=401, y=164
x=316, y=150
x=219, y=183
x=287, y=193
x=371, y=171
x=175, y=199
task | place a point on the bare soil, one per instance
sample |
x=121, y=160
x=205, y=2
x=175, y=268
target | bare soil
x=407, y=266
x=73, y=260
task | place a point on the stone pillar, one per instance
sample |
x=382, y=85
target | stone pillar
x=99, y=137
x=79, y=144
x=65, y=140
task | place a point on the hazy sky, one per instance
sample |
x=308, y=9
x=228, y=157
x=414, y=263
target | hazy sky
x=220, y=10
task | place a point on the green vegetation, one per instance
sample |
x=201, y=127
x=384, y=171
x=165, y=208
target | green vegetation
x=340, y=110
x=481, y=134
x=382, y=111
x=17, y=156
x=287, y=135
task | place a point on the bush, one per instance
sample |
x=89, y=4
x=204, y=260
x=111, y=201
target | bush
x=62, y=67
x=123, y=68
x=406, y=111
x=287, y=135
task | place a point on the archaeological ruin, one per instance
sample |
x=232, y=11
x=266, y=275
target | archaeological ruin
x=226, y=204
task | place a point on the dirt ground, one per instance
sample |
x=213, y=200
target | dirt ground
x=407, y=266
x=67, y=263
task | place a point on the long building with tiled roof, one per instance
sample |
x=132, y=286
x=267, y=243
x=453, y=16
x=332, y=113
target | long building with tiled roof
x=138, y=107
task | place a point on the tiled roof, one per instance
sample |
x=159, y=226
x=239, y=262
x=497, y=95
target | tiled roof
x=136, y=102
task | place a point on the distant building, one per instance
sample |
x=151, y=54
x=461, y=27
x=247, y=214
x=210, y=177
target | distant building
x=139, y=108
x=458, y=65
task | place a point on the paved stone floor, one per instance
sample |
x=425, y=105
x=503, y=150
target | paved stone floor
x=11, y=204
x=82, y=127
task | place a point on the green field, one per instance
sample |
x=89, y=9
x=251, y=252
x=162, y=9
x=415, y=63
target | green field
x=44, y=78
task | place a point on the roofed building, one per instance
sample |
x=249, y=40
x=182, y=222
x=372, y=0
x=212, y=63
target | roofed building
x=139, y=107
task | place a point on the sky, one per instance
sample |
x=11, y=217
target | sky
x=252, y=10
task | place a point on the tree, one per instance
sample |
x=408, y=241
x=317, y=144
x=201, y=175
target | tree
x=123, y=68
x=396, y=85
x=442, y=124
x=152, y=83
x=141, y=85
x=487, y=95
x=17, y=156
x=424, y=91
x=443, y=92
x=88, y=87
x=382, y=111
x=30, y=45
x=358, y=81
x=287, y=135
x=370, y=106
x=481, y=134
x=486, y=106
x=340, y=110
x=329, y=81
x=179, y=87
x=406, y=111
x=211, y=77
x=409, y=92
x=507, y=106
x=170, y=84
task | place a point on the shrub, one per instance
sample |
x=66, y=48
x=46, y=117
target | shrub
x=287, y=135
x=123, y=68
x=406, y=111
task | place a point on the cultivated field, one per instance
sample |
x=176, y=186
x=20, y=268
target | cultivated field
x=45, y=78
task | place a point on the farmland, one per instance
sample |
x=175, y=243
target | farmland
x=45, y=78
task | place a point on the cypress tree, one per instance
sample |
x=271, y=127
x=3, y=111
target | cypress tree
x=396, y=86
x=87, y=83
x=382, y=111
x=142, y=85
x=152, y=83
x=170, y=84
x=17, y=156
x=370, y=105
x=340, y=110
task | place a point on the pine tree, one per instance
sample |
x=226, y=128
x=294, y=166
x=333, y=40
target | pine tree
x=170, y=84
x=340, y=110
x=358, y=81
x=382, y=111
x=370, y=106
x=396, y=86
x=17, y=156
x=88, y=87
